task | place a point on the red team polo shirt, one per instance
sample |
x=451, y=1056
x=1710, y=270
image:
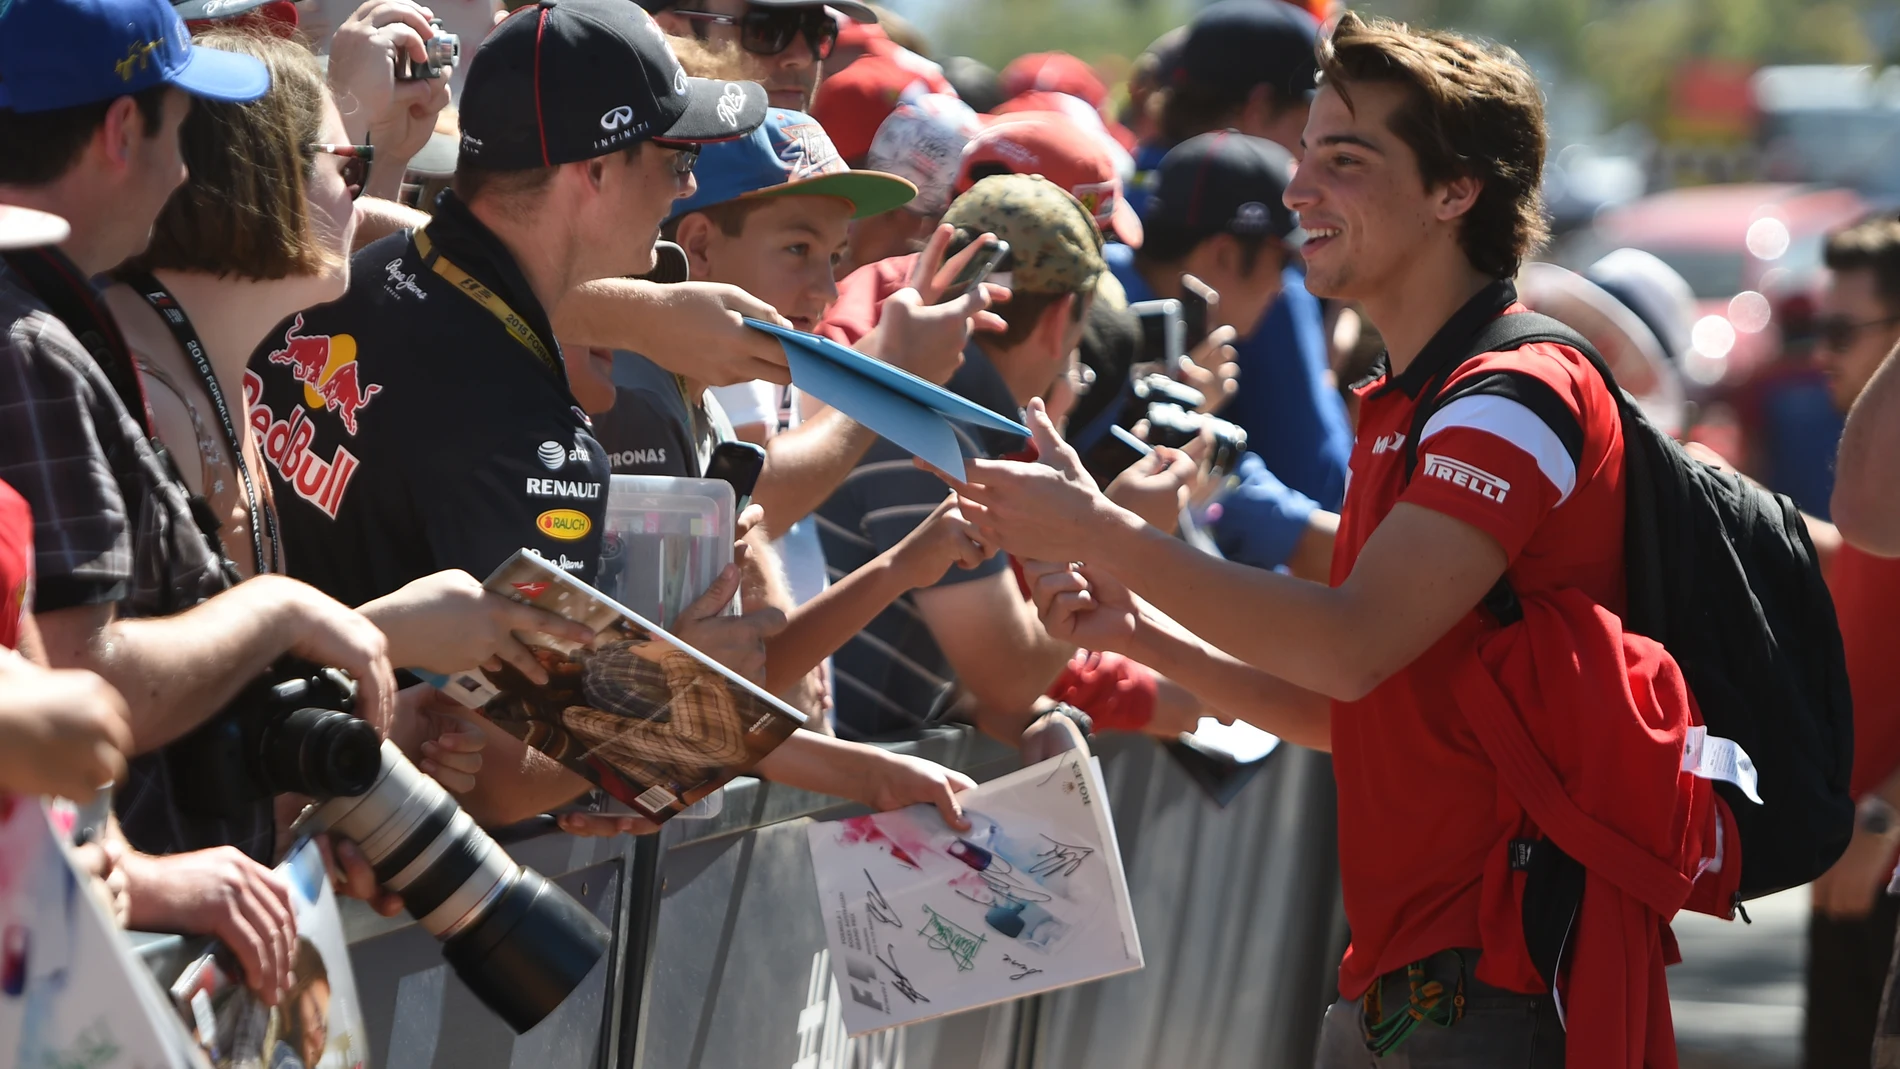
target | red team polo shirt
x=1866, y=593
x=1530, y=451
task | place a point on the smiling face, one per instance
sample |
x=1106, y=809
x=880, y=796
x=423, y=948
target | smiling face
x=1368, y=214
x=783, y=254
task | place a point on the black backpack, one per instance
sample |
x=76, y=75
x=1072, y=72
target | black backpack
x=1722, y=573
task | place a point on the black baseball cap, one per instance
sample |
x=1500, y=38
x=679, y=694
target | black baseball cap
x=568, y=80
x=1238, y=44
x=1223, y=182
x=858, y=12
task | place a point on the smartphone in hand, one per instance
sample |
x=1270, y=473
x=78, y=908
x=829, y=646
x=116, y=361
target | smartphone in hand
x=1199, y=302
x=738, y=463
x=978, y=269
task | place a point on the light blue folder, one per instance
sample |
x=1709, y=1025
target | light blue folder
x=899, y=406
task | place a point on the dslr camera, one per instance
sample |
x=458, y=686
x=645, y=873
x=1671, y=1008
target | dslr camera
x=1170, y=409
x=520, y=943
x=443, y=51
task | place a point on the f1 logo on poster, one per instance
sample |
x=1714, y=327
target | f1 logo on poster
x=326, y=365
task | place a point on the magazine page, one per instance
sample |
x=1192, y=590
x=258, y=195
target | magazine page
x=647, y=718
x=319, y=1024
x=924, y=921
x=71, y=991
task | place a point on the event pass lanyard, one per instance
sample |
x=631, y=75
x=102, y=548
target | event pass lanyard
x=173, y=315
x=517, y=327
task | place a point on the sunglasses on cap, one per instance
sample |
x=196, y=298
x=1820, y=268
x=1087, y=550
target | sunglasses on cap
x=768, y=31
x=1837, y=332
x=356, y=161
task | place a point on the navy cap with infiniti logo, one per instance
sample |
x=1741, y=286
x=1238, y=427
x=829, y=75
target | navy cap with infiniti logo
x=568, y=80
x=1223, y=182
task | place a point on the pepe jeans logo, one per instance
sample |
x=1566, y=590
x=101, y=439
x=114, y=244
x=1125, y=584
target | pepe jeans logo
x=616, y=118
x=401, y=282
x=730, y=101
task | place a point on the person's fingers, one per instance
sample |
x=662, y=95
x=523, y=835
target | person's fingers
x=1051, y=449
x=237, y=932
x=515, y=652
x=938, y=472
x=716, y=597
x=750, y=517
x=944, y=797
x=270, y=914
x=923, y=273
x=406, y=31
x=359, y=879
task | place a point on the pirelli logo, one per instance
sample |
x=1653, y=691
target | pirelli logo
x=1459, y=473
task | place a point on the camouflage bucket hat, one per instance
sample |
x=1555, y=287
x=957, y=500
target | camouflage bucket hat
x=1054, y=246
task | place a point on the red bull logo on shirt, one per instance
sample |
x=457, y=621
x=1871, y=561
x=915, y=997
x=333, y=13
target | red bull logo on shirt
x=286, y=446
x=326, y=365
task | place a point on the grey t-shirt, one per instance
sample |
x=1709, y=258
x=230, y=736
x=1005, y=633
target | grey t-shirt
x=891, y=677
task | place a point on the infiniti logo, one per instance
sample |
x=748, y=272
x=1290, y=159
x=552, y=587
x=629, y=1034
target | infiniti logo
x=616, y=118
x=679, y=81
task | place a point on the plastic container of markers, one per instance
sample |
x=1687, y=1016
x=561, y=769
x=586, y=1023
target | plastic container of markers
x=666, y=540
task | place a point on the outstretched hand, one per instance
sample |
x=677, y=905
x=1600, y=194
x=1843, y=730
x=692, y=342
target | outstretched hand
x=738, y=642
x=1083, y=606
x=1048, y=510
x=916, y=333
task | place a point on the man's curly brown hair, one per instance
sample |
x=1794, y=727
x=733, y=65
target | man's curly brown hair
x=1472, y=109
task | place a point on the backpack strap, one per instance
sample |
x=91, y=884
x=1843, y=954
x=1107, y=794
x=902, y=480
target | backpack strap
x=1504, y=334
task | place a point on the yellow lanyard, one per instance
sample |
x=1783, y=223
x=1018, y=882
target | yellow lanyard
x=517, y=327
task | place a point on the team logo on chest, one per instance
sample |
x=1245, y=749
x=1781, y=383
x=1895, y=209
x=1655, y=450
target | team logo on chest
x=286, y=447
x=326, y=365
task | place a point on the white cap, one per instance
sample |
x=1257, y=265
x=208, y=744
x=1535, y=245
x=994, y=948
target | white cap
x=1653, y=290
x=923, y=141
x=25, y=228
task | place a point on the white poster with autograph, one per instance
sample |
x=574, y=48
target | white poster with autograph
x=925, y=921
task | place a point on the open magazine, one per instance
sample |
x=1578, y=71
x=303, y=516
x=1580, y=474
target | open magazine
x=652, y=721
x=923, y=920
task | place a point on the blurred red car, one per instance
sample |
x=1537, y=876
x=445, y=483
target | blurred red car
x=1751, y=253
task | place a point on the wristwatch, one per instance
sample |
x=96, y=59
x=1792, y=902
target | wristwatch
x=1085, y=724
x=1876, y=816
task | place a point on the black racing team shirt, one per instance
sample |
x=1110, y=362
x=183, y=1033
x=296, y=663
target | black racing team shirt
x=891, y=677
x=407, y=431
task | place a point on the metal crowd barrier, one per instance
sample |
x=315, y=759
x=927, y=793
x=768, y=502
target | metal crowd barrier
x=719, y=957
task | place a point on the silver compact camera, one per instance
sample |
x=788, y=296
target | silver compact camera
x=442, y=49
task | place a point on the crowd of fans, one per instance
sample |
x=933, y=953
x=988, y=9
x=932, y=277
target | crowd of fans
x=304, y=335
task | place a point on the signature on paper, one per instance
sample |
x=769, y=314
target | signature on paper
x=1059, y=859
x=946, y=935
x=878, y=907
x=1021, y=969
x=898, y=979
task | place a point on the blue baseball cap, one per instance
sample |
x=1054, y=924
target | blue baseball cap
x=789, y=155
x=63, y=53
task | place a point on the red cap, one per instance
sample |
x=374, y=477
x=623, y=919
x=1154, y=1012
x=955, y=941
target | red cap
x=1054, y=147
x=1057, y=72
x=854, y=102
x=861, y=35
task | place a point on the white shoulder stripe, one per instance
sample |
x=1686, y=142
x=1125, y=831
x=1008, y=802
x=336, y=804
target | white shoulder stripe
x=1516, y=424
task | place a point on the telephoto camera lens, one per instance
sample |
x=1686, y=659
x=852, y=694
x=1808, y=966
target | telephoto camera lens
x=519, y=942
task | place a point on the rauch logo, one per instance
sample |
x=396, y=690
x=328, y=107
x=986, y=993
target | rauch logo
x=564, y=524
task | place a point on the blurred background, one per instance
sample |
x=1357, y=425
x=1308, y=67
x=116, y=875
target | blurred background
x=1727, y=137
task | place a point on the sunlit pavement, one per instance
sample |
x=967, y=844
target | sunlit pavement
x=1737, y=996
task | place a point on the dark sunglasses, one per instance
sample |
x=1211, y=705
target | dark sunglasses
x=685, y=155
x=1837, y=332
x=768, y=31
x=356, y=161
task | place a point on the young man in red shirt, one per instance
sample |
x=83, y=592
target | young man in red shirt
x=1418, y=195
x=1850, y=938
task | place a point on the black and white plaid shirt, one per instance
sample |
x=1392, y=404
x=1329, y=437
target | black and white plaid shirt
x=111, y=525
